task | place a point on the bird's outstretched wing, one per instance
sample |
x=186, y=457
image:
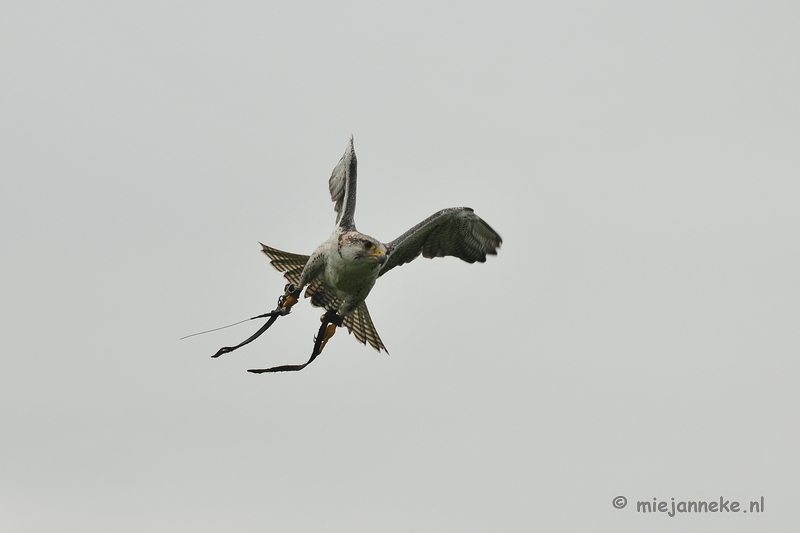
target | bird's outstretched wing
x=343, y=188
x=456, y=231
x=290, y=264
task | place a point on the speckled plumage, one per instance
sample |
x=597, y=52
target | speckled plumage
x=342, y=271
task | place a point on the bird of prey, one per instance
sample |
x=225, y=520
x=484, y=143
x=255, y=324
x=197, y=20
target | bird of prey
x=342, y=270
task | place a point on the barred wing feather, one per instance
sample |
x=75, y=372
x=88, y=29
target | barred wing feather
x=359, y=323
x=290, y=264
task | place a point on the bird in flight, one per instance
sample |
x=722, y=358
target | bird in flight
x=342, y=270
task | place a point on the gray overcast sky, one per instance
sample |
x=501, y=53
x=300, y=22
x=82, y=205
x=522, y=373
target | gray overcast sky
x=636, y=336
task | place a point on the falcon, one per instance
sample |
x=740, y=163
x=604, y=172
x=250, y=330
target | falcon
x=341, y=272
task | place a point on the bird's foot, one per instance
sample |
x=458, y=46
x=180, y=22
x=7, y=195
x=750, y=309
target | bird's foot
x=290, y=295
x=329, y=332
x=332, y=317
x=330, y=321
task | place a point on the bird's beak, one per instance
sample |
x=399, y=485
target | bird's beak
x=379, y=255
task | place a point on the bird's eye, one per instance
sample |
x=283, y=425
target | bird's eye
x=369, y=245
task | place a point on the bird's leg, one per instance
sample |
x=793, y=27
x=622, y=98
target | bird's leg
x=330, y=321
x=285, y=303
x=290, y=295
x=329, y=332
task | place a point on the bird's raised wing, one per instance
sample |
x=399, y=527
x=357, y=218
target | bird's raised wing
x=343, y=188
x=456, y=231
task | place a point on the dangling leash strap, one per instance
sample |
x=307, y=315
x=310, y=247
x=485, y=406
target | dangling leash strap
x=285, y=303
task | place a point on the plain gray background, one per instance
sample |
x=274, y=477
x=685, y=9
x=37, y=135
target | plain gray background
x=636, y=335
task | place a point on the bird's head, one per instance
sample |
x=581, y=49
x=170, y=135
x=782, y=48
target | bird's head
x=364, y=248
